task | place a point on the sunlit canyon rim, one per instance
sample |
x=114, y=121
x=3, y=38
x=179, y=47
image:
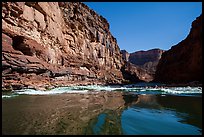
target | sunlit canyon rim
x=64, y=73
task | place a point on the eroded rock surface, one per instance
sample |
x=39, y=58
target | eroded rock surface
x=143, y=63
x=125, y=55
x=134, y=73
x=147, y=60
x=45, y=44
x=183, y=62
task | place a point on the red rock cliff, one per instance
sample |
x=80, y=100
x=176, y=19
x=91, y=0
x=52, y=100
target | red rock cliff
x=125, y=55
x=143, y=63
x=147, y=60
x=51, y=43
x=183, y=62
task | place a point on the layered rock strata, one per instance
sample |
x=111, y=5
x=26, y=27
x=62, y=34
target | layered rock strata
x=57, y=43
x=133, y=73
x=125, y=55
x=147, y=60
x=143, y=63
x=183, y=62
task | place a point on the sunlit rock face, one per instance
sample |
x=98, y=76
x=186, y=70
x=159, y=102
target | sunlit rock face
x=49, y=43
x=183, y=62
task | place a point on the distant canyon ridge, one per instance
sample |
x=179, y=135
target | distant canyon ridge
x=49, y=44
x=146, y=60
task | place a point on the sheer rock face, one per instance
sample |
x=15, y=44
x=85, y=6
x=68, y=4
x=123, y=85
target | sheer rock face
x=49, y=42
x=134, y=73
x=143, y=62
x=125, y=55
x=147, y=60
x=183, y=62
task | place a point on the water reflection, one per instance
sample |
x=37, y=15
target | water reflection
x=102, y=113
x=107, y=123
x=56, y=114
x=160, y=115
x=192, y=106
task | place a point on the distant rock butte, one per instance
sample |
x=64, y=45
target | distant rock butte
x=146, y=61
x=183, y=62
x=140, y=58
x=47, y=44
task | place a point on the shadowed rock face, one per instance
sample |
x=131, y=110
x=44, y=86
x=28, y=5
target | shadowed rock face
x=143, y=63
x=125, y=55
x=147, y=60
x=183, y=62
x=135, y=73
x=48, y=44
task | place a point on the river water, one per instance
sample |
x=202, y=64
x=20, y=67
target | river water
x=139, y=109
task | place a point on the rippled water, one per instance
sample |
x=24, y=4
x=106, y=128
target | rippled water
x=140, y=109
x=134, y=88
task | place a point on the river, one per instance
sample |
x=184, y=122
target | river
x=138, y=109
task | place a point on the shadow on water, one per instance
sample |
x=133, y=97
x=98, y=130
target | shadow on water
x=102, y=113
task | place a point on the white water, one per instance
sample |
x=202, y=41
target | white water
x=59, y=90
x=8, y=96
x=126, y=88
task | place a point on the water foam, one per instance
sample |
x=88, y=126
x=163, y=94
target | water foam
x=8, y=96
x=183, y=90
x=98, y=88
x=59, y=90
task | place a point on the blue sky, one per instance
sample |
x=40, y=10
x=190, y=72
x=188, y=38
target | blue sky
x=147, y=25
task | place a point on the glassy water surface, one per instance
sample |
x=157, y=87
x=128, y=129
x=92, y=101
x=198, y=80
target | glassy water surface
x=119, y=110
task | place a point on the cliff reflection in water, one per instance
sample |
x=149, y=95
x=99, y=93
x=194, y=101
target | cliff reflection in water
x=56, y=114
x=98, y=113
x=150, y=114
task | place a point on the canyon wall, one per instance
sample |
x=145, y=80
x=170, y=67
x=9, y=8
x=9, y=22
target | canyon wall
x=145, y=62
x=56, y=43
x=125, y=55
x=183, y=62
x=133, y=73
